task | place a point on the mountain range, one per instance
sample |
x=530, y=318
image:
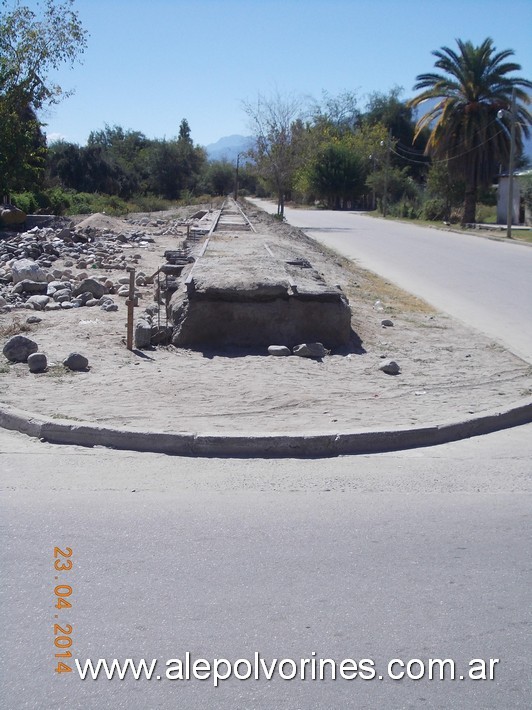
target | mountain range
x=229, y=147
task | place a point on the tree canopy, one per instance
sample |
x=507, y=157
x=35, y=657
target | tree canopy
x=32, y=44
x=475, y=84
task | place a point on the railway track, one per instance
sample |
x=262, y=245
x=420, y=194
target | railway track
x=231, y=219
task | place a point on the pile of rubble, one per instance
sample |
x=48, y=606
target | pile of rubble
x=62, y=267
x=49, y=269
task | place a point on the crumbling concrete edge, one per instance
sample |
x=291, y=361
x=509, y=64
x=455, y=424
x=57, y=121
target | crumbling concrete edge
x=260, y=445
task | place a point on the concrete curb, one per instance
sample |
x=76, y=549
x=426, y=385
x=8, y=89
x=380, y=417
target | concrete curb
x=290, y=445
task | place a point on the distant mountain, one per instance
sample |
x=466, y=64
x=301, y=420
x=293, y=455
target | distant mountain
x=229, y=147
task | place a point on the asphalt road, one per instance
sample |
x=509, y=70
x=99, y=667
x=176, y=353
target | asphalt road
x=412, y=555
x=485, y=283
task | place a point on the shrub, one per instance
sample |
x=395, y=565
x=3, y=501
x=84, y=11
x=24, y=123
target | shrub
x=25, y=201
x=434, y=209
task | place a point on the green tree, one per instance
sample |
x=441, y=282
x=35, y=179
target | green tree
x=219, y=178
x=65, y=165
x=127, y=152
x=475, y=84
x=32, y=44
x=22, y=145
x=397, y=116
x=191, y=159
x=337, y=175
x=444, y=192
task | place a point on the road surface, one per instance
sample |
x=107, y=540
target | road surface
x=485, y=283
x=413, y=555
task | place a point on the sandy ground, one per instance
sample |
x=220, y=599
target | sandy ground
x=447, y=370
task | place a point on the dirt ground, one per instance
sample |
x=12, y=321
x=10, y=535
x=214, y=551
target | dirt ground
x=447, y=370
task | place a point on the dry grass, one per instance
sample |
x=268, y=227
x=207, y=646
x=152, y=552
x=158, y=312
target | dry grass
x=16, y=327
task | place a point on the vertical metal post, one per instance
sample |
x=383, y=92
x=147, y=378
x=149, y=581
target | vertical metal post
x=510, y=206
x=385, y=196
x=130, y=307
x=236, y=176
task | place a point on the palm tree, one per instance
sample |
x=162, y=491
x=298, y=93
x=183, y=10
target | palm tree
x=465, y=129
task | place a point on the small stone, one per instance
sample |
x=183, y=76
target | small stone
x=34, y=288
x=390, y=367
x=38, y=302
x=37, y=362
x=27, y=270
x=279, y=350
x=84, y=297
x=310, y=350
x=76, y=362
x=33, y=319
x=65, y=294
x=387, y=323
x=142, y=334
x=95, y=287
x=18, y=348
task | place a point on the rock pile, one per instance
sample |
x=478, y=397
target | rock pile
x=31, y=278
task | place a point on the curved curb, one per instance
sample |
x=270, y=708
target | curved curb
x=290, y=445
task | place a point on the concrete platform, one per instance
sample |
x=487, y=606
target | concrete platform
x=247, y=291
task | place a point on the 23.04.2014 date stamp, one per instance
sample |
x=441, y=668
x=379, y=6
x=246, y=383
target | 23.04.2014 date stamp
x=63, y=562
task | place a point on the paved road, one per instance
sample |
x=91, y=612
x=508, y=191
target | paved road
x=420, y=554
x=484, y=283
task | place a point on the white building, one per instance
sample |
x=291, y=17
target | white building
x=502, y=199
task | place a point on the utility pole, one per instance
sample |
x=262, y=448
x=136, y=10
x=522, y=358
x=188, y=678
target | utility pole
x=386, y=171
x=510, y=206
x=236, y=176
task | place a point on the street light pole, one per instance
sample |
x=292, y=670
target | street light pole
x=388, y=149
x=510, y=206
x=236, y=175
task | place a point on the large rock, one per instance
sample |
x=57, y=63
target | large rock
x=34, y=288
x=310, y=350
x=11, y=216
x=142, y=334
x=279, y=350
x=37, y=362
x=38, y=302
x=28, y=270
x=390, y=367
x=76, y=362
x=95, y=287
x=19, y=348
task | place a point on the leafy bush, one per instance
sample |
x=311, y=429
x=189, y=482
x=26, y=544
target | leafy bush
x=405, y=209
x=434, y=209
x=486, y=213
x=25, y=201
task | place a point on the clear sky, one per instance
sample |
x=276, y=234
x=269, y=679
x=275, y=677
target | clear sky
x=151, y=63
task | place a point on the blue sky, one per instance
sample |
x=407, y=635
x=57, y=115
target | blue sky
x=150, y=64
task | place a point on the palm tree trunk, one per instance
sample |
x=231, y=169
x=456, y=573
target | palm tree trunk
x=470, y=205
